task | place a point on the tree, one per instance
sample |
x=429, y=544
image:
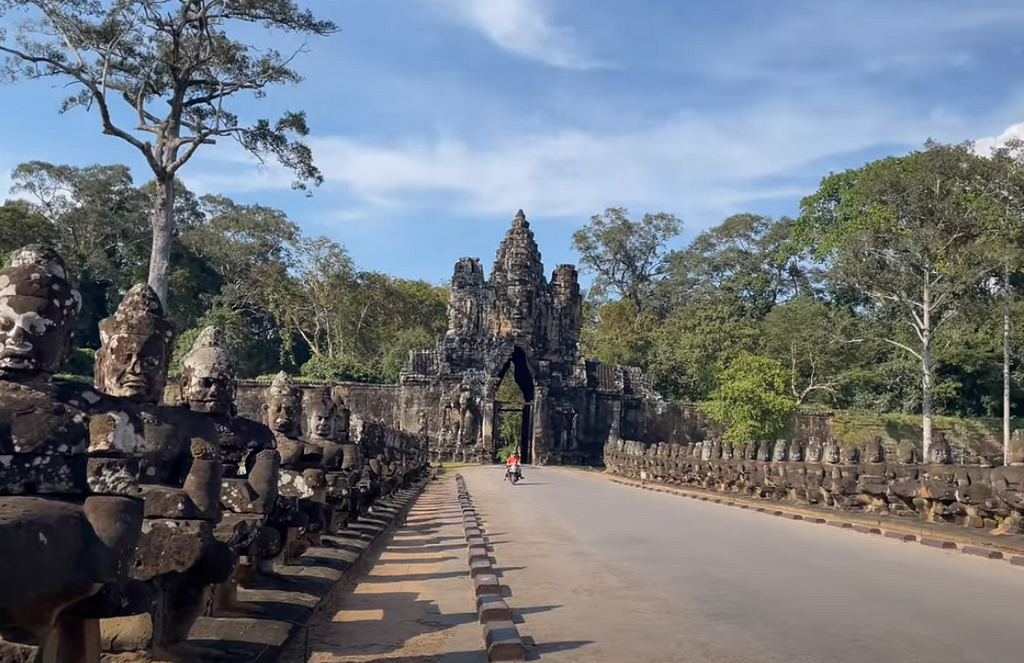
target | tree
x=175, y=66
x=627, y=257
x=805, y=335
x=751, y=400
x=747, y=258
x=909, y=233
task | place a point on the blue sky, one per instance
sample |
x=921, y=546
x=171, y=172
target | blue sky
x=435, y=120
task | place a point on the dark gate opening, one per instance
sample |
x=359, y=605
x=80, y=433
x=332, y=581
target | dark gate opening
x=511, y=401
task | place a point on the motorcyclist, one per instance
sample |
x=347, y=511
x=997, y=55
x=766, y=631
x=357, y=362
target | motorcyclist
x=512, y=466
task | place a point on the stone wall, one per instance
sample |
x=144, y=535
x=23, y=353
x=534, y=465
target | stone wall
x=842, y=476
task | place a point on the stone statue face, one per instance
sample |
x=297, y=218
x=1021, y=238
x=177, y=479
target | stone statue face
x=283, y=406
x=37, y=304
x=322, y=417
x=727, y=451
x=796, y=451
x=830, y=454
x=873, y=451
x=132, y=361
x=906, y=452
x=814, y=451
x=208, y=374
x=849, y=453
x=763, y=451
x=779, y=452
x=939, y=452
x=1015, y=453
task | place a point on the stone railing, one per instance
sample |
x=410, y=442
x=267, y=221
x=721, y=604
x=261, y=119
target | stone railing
x=840, y=477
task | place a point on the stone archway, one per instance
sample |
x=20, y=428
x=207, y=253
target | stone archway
x=524, y=411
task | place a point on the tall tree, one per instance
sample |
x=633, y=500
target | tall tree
x=909, y=232
x=626, y=257
x=176, y=65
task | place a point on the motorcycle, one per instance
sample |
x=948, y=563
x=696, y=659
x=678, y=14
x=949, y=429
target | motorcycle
x=514, y=474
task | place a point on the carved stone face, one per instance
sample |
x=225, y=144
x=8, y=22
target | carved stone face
x=939, y=453
x=322, y=415
x=796, y=451
x=830, y=454
x=849, y=453
x=208, y=374
x=37, y=304
x=727, y=451
x=764, y=451
x=779, y=452
x=132, y=362
x=906, y=452
x=284, y=406
x=1015, y=452
x=814, y=451
x=873, y=450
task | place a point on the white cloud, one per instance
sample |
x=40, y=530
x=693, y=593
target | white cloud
x=692, y=164
x=523, y=27
x=984, y=146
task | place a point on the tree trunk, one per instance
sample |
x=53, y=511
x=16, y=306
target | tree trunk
x=926, y=372
x=163, y=237
x=1006, y=361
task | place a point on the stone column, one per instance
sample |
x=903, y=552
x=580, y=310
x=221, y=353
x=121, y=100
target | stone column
x=487, y=425
x=541, y=445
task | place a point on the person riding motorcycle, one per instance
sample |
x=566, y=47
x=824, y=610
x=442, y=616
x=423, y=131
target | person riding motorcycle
x=512, y=468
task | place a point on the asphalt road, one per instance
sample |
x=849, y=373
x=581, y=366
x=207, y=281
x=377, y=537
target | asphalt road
x=603, y=572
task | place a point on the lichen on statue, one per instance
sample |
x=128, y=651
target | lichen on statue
x=177, y=553
x=70, y=515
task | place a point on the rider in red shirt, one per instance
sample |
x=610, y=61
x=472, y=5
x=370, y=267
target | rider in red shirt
x=511, y=465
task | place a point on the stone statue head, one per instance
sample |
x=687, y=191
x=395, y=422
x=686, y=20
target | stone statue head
x=208, y=374
x=764, y=451
x=697, y=449
x=779, y=451
x=134, y=352
x=283, y=403
x=796, y=451
x=873, y=452
x=322, y=414
x=906, y=452
x=939, y=452
x=1015, y=452
x=727, y=450
x=716, y=448
x=830, y=452
x=814, y=451
x=849, y=453
x=705, y=450
x=37, y=304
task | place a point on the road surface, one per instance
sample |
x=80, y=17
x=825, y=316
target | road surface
x=601, y=572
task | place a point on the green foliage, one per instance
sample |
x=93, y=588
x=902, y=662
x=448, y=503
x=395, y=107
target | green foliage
x=751, y=400
x=507, y=450
x=339, y=369
x=80, y=363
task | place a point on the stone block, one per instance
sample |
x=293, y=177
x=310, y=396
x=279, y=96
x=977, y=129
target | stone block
x=126, y=634
x=866, y=529
x=170, y=546
x=486, y=583
x=839, y=524
x=28, y=474
x=492, y=608
x=480, y=566
x=477, y=552
x=900, y=536
x=816, y=521
x=476, y=542
x=473, y=533
x=939, y=543
x=979, y=551
x=503, y=643
x=1017, y=560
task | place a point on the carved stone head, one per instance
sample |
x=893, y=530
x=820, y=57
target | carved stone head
x=939, y=452
x=696, y=449
x=322, y=414
x=37, y=304
x=135, y=342
x=283, y=402
x=830, y=452
x=906, y=452
x=745, y=451
x=796, y=451
x=716, y=448
x=343, y=417
x=764, y=450
x=208, y=374
x=1015, y=452
x=849, y=453
x=814, y=451
x=727, y=450
x=873, y=452
x=705, y=450
x=779, y=451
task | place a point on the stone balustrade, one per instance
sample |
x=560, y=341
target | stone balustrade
x=126, y=518
x=841, y=476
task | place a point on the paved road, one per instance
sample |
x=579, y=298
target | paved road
x=603, y=572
